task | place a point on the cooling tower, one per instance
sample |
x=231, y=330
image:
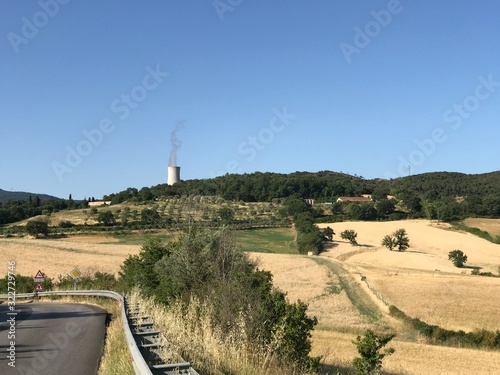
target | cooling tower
x=174, y=174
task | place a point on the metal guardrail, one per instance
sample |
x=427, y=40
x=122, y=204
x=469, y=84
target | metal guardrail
x=141, y=367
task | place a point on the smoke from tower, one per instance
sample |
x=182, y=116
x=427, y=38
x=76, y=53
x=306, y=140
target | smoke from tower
x=174, y=171
x=175, y=143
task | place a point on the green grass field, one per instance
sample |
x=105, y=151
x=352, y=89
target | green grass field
x=272, y=240
x=140, y=238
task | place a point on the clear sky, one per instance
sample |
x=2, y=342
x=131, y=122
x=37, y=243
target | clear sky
x=94, y=94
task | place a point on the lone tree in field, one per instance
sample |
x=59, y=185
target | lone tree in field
x=349, y=235
x=328, y=234
x=106, y=218
x=399, y=239
x=458, y=258
x=369, y=348
x=37, y=228
x=389, y=242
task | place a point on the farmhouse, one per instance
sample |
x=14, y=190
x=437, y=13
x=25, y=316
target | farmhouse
x=354, y=199
x=99, y=203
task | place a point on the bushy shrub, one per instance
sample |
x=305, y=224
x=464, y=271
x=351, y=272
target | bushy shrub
x=65, y=224
x=369, y=347
x=97, y=281
x=37, y=228
x=457, y=257
x=349, y=235
x=209, y=267
x=25, y=284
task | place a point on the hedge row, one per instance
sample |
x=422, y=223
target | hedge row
x=439, y=336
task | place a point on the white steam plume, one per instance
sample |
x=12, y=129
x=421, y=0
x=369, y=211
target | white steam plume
x=175, y=143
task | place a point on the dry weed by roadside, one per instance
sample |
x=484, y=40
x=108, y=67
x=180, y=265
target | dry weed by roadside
x=189, y=333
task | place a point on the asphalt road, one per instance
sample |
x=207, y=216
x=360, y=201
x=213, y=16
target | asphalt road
x=51, y=339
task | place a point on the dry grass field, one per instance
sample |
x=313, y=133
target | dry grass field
x=492, y=226
x=314, y=284
x=421, y=281
x=339, y=322
x=57, y=257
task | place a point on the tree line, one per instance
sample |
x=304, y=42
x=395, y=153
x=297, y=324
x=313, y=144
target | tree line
x=17, y=210
x=441, y=195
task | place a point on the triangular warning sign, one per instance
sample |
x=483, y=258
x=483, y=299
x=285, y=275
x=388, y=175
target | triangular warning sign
x=39, y=287
x=39, y=275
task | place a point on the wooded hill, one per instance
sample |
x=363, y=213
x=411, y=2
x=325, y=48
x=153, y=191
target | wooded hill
x=6, y=196
x=441, y=195
x=325, y=186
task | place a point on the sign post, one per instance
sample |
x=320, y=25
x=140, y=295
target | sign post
x=75, y=274
x=39, y=279
x=39, y=287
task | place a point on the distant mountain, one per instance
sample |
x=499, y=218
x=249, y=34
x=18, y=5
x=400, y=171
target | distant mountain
x=6, y=196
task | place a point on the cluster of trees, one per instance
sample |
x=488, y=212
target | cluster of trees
x=17, y=210
x=383, y=209
x=436, y=196
x=256, y=187
x=309, y=237
x=207, y=266
x=398, y=240
x=430, y=195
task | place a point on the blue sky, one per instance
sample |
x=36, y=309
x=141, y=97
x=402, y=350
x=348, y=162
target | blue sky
x=91, y=91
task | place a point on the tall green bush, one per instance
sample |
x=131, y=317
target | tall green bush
x=369, y=347
x=209, y=266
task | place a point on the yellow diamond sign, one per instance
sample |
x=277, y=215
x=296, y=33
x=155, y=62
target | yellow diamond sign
x=75, y=273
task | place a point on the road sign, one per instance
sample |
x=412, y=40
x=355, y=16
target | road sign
x=75, y=273
x=39, y=287
x=39, y=277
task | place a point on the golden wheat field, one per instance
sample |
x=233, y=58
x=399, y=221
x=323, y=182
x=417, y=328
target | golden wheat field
x=492, y=226
x=421, y=281
x=339, y=323
x=56, y=257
